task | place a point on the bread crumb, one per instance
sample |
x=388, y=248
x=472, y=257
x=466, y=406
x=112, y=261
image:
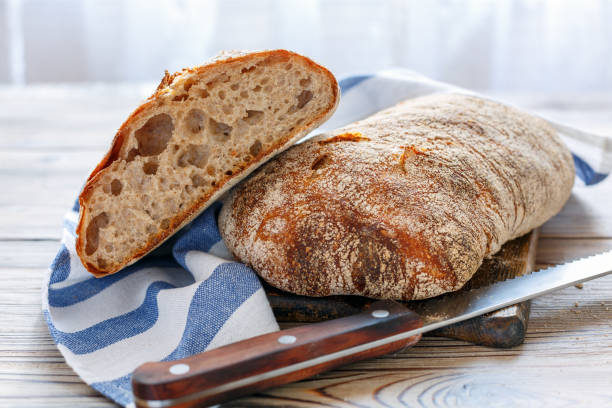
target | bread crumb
x=579, y=286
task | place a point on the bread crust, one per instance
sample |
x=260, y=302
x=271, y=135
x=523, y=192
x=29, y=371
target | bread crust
x=402, y=205
x=167, y=85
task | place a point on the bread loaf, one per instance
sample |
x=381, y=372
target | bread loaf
x=402, y=205
x=202, y=131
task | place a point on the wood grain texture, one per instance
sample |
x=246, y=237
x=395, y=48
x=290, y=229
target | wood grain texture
x=566, y=359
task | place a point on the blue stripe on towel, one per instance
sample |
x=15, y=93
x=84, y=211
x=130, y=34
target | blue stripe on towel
x=350, y=82
x=110, y=331
x=213, y=304
x=83, y=290
x=204, y=320
x=200, y=235
x=60, y=266
x=586, y=172
x=119, y=389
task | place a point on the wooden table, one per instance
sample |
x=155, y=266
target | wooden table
x=51, y=136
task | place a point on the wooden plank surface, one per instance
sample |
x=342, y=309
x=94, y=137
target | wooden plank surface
x=50, y=137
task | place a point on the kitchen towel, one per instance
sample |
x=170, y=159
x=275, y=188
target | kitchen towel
x=189, y=295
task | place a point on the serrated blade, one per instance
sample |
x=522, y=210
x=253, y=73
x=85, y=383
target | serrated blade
x=459, y=306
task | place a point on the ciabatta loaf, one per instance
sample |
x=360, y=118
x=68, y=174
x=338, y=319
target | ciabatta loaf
x=202, y=131
x=402, y=205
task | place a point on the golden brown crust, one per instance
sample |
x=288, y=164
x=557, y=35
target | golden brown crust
x=404, y=204
x=166, y=85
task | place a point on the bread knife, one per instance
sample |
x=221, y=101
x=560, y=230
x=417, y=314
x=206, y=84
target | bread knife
x=290, y=355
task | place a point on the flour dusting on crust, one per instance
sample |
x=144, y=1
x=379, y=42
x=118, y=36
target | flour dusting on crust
x=404, y=204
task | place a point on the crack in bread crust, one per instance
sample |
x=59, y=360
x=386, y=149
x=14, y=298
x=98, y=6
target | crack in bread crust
x=435, y=185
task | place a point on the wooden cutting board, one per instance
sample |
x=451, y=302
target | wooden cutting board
x=503, y=328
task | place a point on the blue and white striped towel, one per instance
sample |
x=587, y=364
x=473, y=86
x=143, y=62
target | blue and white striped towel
x=189, y=296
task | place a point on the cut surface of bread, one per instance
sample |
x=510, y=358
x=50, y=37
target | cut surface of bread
x=202, y=131
x=404, y=204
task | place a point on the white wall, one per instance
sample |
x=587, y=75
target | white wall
x=535, y=45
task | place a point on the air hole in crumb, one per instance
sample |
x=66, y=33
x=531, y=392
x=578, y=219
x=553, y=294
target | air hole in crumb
x=253, y=117
x=220, y=131
x=319, y=162
x=213, y=183
x=92, y=233
x=196, y=155
x=244, y=94
x=210, y=170
x=288, y=67
x=304, y=82
x=249, y=69
x=175, y=148
x=101, y=263
x=195, y=120
x=188, y=84
x=219, y=78
x=229, y=173
x=132, y=154
x=222, y=95
x=154, y=135
x=264, y=80
x=180, y=98
x=165, y=223
x=150, y=229
x=109, y=248
x=203, y=93
x=228, y=109
x=255, y=148
x=116, y=187
x=150, y=167
x=234, y=87
x=303, y=98
x=257, y=88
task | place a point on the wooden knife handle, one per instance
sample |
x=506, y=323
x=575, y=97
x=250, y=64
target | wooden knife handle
x=272, y=359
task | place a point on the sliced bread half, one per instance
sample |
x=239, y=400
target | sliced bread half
x=202, y=131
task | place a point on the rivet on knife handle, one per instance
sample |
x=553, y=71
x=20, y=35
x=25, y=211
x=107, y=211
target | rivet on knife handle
x=271, y=359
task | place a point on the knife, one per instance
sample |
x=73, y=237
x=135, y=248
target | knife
x=290, y=355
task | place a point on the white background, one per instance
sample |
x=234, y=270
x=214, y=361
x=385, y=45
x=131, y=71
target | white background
x=523, y=45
